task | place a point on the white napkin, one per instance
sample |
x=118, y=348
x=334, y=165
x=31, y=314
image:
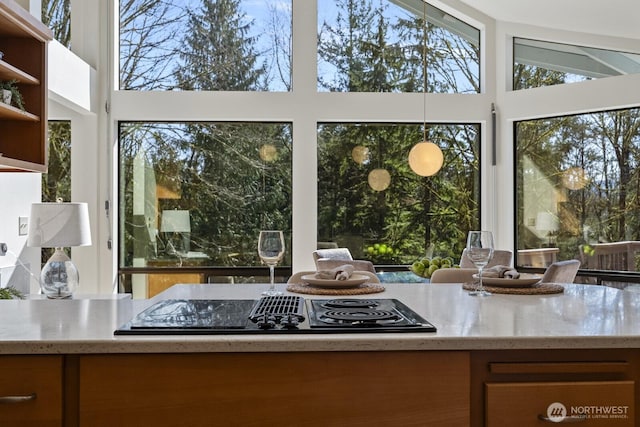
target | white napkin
x=501, y=271
x=342, y=272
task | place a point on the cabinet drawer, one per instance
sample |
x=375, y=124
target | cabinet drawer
x=593, y=403
x=31, y=391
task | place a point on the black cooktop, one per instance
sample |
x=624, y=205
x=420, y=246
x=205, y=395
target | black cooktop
x=285, y=314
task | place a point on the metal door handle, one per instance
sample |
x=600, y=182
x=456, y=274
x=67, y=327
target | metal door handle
x=17, y=399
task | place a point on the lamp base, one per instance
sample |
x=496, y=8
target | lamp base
x=59, y=277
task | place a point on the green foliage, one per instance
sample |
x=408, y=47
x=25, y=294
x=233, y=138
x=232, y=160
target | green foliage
x=603, y=207
x=11, y=293
x=16, y=97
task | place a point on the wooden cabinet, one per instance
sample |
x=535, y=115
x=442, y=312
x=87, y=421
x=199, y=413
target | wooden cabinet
x=593, y=403
x=393, y=388
x=23, y=41
x=543, y=387
x=31, y=391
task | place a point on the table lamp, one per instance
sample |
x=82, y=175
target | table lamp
x=59, y=225
x=176, y=222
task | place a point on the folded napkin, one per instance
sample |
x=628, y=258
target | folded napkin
x=342, y=272
x=501, y=271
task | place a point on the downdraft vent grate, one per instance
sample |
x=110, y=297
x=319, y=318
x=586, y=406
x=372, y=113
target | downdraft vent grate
x=279, y=305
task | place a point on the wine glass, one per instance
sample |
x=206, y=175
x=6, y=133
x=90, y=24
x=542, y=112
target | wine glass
x=480, y=251
x=271, y=251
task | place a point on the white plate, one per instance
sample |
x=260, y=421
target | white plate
x=523, y=281
x=351, y=282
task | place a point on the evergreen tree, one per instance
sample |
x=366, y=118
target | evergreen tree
x=230, y=191
x=218, y=51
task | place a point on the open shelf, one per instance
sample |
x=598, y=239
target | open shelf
x=9, y=112
x=23, y=134
x=9, y=72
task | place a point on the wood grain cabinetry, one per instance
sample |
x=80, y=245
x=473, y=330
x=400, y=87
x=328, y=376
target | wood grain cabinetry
x=31, y=391
x=536, y=388
x=268, y=389
x=23, y=41
x=593, y=403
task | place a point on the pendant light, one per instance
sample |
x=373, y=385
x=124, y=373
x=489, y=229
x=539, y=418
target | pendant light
x=425, y=158
x=268, y=153
x=379, y=179
x=360, y=154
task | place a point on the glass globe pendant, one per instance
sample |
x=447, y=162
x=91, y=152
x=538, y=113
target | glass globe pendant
x=379, y=179
x=426, y=158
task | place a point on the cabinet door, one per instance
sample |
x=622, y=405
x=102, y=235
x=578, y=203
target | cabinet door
x=589, y=403
x=31, y=391
x=334, y=389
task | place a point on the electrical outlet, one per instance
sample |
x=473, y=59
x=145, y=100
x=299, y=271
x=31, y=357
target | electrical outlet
x=3, y=249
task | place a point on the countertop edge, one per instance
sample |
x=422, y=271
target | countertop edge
x=323, y=343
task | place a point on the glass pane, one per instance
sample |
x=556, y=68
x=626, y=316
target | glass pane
x=232, y=45
x=197, y=194
x=578, y=190
x=411, y=217
x=56, y=14
x=366, y=46
x=56, y=183
x=538, y=63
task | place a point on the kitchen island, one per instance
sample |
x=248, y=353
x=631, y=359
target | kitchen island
x=580, y=347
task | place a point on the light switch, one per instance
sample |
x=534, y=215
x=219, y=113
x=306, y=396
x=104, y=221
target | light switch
x=23, y=225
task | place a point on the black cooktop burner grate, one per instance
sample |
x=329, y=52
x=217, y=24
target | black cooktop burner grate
x=350, y=303
x=355, y=316
x=365, y=315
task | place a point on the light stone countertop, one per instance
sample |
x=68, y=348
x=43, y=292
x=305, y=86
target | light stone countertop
x=584, y=316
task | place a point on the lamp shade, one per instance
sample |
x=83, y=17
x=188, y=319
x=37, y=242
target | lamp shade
x=59, y=225
x=175, y=221
x=425, y=158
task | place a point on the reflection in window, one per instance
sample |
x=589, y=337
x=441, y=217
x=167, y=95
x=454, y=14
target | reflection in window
x=369, y=197
x=578, y=190
x=225, y=45
x=538, y=63
x=199, y=193
x=366, y=46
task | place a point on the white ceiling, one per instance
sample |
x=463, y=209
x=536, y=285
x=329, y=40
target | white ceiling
x=618, y=18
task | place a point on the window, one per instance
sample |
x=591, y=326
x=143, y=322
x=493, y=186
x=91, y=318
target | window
x=365, y=47
x=56, y=14
x=230, y=45
x=56, y=183
x=540, y=63
x=197, y=194
x=370, y=201
x=578, y=191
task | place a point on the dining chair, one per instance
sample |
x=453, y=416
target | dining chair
x=297, y=277
x=358, y=264
x=500, y=257
x=453, y=275
x=561, y=272
x=332, y=253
